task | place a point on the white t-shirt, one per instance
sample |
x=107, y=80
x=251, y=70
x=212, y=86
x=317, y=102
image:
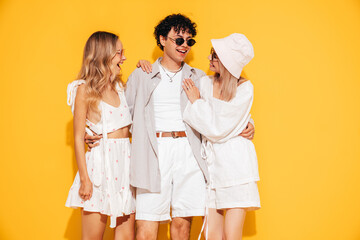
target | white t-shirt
x=167, y=109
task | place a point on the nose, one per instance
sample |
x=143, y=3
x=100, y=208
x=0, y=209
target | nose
x=209, y=57
x=123, y=58
x=185, y=43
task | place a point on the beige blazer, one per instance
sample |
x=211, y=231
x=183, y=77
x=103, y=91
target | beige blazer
x=144, y=165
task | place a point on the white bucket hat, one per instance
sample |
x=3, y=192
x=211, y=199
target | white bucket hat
x=234, y=52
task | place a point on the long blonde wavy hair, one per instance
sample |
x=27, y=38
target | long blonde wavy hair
x=96, y=67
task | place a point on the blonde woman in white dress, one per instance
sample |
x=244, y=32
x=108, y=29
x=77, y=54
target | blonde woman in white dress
x=101, y=187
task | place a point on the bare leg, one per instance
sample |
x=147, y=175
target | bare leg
x=234, y=223
x=125, y=227
x=146, y=230
x=93, y=225
x=215, y=224
x=180, y=228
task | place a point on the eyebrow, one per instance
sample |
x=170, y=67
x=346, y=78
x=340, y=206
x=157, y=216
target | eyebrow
x=182, y=36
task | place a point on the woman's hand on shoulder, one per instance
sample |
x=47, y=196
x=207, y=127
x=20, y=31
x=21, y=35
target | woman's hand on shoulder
x=145, y=65
x=191, y=90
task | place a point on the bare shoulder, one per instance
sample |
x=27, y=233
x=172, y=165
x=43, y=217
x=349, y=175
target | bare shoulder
x=81, y=93
x=81, y=103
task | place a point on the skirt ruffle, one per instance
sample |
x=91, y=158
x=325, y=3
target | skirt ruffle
x=121, y=201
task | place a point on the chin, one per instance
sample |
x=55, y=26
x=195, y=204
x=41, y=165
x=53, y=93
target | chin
x=181, y=59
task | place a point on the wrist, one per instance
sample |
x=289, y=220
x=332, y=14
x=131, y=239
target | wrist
x=84, y=179
x=194, y=100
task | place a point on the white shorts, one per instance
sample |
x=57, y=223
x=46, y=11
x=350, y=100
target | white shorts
x=238, y=196
x=183, y=188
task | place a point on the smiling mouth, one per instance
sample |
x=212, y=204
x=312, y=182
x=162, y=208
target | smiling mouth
x=181, y=51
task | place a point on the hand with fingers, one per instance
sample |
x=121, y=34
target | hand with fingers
x=92, y=141
x=145, y=65
x=86, y=189
x=248, y=132
x=191, y=90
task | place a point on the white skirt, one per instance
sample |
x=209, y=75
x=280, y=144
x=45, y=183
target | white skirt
x=112, y=193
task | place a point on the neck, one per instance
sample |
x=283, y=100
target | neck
x=108, y=87
x=170, y=64
x=217, y=80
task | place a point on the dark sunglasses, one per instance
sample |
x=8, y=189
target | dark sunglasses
x=213, y=55
x=179, y=41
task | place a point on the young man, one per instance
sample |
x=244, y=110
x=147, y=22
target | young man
x=166, y=166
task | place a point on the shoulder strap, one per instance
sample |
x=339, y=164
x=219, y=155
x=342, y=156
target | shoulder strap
x=71, y=93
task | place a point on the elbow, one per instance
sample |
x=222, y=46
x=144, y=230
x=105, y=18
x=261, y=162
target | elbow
x=78, y=139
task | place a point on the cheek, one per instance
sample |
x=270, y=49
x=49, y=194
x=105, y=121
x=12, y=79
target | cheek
x=169, y=50
x=116, y=59
x=217, y=68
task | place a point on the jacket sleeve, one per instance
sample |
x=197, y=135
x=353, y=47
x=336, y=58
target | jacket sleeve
x=218, y=120
x=130, y=92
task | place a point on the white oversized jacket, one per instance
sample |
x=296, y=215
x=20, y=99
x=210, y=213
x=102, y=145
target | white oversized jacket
x=231, y=159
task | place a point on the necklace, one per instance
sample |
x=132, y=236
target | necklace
x=171, y=78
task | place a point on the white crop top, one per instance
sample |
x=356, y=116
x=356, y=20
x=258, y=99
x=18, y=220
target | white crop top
x=112, y=118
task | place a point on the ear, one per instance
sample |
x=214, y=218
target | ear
x=162, y=40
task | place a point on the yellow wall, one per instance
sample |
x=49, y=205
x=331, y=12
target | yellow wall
x=306, y=75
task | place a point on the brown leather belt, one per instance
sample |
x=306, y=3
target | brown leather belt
x=171, y=134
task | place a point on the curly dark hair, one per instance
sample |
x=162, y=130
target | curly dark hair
x=177, y=21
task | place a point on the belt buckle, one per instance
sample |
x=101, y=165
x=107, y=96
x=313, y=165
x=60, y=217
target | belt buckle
x=173, y=135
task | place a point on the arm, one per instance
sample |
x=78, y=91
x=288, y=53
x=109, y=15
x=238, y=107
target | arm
x=219, y=120
x=193, y=94
x=80, y=111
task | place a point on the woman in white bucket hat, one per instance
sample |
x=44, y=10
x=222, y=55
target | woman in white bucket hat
x=220, y=111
